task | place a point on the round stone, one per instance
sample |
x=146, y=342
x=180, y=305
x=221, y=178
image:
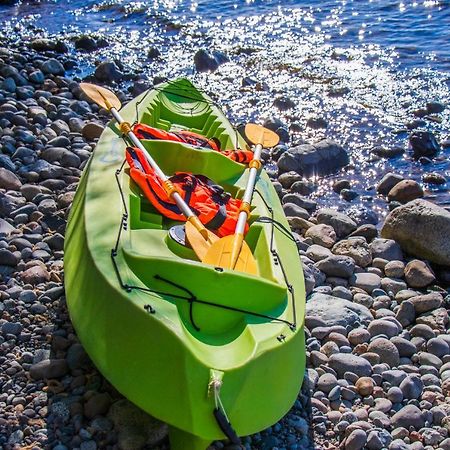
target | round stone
x=364, y=386
x=386, y=350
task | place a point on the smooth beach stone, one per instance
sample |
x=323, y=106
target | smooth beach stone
x=409, y=415
x=342, y=363
x=384, y=327
x=386, y=350
x=411, y=387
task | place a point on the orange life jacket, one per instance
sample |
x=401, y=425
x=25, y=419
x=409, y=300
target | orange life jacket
x=189, y=137
x=215, y=208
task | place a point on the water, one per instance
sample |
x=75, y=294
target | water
x=391, y=57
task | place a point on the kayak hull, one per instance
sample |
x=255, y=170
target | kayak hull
x=157, y=347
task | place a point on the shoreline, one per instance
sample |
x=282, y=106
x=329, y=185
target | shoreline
x=378, y=363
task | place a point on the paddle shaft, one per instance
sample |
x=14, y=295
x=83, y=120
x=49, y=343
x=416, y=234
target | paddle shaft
x=248, y=194
x=187, y=212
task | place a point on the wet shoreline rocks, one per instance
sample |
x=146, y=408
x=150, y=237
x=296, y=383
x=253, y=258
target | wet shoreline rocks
x=377, y=345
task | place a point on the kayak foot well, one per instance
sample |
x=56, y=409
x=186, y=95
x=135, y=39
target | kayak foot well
x=181, y=440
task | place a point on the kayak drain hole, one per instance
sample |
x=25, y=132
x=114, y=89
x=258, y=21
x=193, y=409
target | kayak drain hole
x=218, y=269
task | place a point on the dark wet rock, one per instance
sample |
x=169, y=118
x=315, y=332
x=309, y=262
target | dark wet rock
x=6, y=163
x=45, y=45
x=278, y=150
x=388, y=182
x=139, y=87
x=8, y=258
x=293, y=210
x=434, y=178
x=338, y=91
x=206, y=61
x=279, y=127
x=405, y=191
x=283, y=103
x=85, y=42
x=431, y=225
x=341, y=223
x=52, y=67
x=386, y=249
x=346, y=362
x=319, y=159
x=337, y=311
x=349, y=194
x=435, y=107
x=418, y=274
x=409, y=415
x=287, y=179
x=392, y=152
x=14, y=328
x=153, y=53
x=302, y=187
x=49, y=368
x=341, y=184
x=316, y=123
x=108, y=71
x=9, y=180
x=423, y=143
x=416, y=123
x=55, y=241
x=8, y=85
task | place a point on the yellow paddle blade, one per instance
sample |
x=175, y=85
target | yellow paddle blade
x=220, y=254
x=100, y=95
x=197, y=241
x=257, y=134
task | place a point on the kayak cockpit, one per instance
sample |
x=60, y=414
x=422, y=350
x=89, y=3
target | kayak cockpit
x=226, y=299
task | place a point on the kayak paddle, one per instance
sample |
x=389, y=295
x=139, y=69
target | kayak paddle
x=198, y=236
x=232, y=252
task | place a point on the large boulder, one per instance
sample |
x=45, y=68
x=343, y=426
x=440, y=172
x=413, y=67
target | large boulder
x=337, y=311
x=431, y=226
x=322, y=158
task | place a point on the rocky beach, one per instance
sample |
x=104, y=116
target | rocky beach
x=370, y=218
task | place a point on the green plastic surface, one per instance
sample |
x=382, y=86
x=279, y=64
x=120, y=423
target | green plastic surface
x=160, y=361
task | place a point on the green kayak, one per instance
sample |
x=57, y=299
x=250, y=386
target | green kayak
x=193, y=345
